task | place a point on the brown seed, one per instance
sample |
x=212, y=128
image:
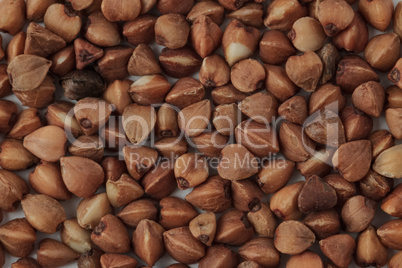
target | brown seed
x=385, y=164
x=46, y=179
x=166, y=123
x=13, y=19
x=116, y=260
x=138, y=122
x=91, y=210
x=16, y=46
x=284, y=203
x=369, y=250
x=76, y=237
x=213, y=195
x=246, y=194
x=179, y=62
x=92, y=114
x=305, y=70
x=12, y=189
x=357, y=213
x=121, y=11
x=113, y=65
x=209, y=8
x=139, y=31
x=294, y=109
x=397, y=20
x=175, y=6
x=293, y=237
x=302, y=30
x=227, y=94
x=113, y=168
x=25, y=263
x=14, y=156
x=82, y=176
x=182, y=246
x=60, y=114
x=190, y=170
x=87, y=146
x=263, y=220
x=353, y=159
x=382, y=51
x=172, y=31
x=149, y=89
x=5, y=86
x=185, y=91
x=357, y=125
x=275, y=174
x=123, y=191
x=250, y=14
x=46, y=149
x=225, y=118
x=260, y=139
x=203, y=227
x=80, y=84
x=42, y=42
x=205, y=35
x=139, y=160
x=393, y=117
x=330, y=57
x=390, y=234
x=117, y=94
x=377, y=13
x=275, y=47
x=316, y=195
x=143, y=61
x=111, y=235
x=390, y=204
x=305, y=259
x=282, y=14
x=295, y=144
x=100, y=31
x=354, y=71
x=195, y=126
x=214, y=71
x=375, y=186
x=325, y=127
x=43, y=212
x=262, y=251
x=63, y=20
x=237, y=163
x=8, y=115
x=36, y=9
x=18, y=237
x=395, y=74
x=327, y=97
x=323, y=223
x=318, y=164
x=232, y=4
x=27, y=72
x=335, y=16
x=218, y=256
x=380, y=141
x=233, y=228
x=27, y=121
x=53, y=253
x=86, y=53
x=247, y=75
x=175, y=212
x=355, y=37
x=171, y=148
x=139, y=210
x=249, y=264
x=148, y=241
x=395, y=261
x=90, y=259
x=339, y=249
x=159, y=182
x=261, y=107
x=369, y=98
x=239, y=42
x=344, y=189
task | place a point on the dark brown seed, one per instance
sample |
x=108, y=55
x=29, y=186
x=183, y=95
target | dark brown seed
x=79, y=84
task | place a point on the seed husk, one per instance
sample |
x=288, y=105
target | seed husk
x=79, y=84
